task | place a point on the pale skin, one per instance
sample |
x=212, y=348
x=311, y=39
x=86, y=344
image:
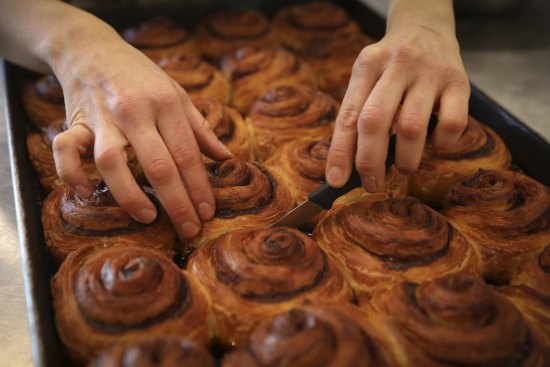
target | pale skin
x=115, y=97
x=418, y=64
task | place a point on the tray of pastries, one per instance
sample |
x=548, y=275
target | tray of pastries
x=448, y=266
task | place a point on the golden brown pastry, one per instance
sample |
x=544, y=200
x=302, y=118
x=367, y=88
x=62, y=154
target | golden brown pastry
x=506, y=217
x=39, y=147
x=198, y=78
x=160, y=37
x=455, y=320
x=287, y=113
x=44, y=101
x=378, y=243
x=254, y=71
x=478, y=148
x=71, y=222
x=312, y=335
x=161, y=351
x=298, y=24
x=332, y=57
x=124, y=294
x=529, y=291
x=227, y=31
x=228, y=125
x=247, y=195
x=254, y=274
x=301, y=164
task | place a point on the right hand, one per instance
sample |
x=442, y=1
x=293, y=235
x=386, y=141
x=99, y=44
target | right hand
x=115, y=97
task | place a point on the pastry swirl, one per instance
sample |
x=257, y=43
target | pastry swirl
x=253, y=71
x=505, y=215
x=247, y=195
x=71, y=221
x=298, y=25
x=44, y=101
x=287, y=113
x=320, y=335
x=223, y=32
x=530, y=293
x=254, y=274
x=478, y=148
x=161, y=351
x=302, y=162
x=228, y=125
x=198, y=78
x=332, y=57
x=96, y=292
x=455, y=320
x=160, y=37
x=377, y=243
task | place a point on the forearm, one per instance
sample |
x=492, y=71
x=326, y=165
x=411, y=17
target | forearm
x=434, y=15
x=35, y=33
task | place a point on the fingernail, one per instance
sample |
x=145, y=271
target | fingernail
x=206, y=211
x=369, y=183
x=83, y=191
x=189, y=229
x=146, y=215
x=334, y=176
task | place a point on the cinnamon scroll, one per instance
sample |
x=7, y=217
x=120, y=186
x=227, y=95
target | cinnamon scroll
x=198, y=78
x=44, y=102
x=253, y=71
x=288, y=113
x=505, y=215
x=228, y=126
x=160, y=37
x=124, y=294
x=71, y=222
x=255, y=274
x=478, y=148
x=297, y=25
x=378, y=243
x=455, y=320
x=224, y=32
x=160, y=351
x=247, y=195
x=311, y=336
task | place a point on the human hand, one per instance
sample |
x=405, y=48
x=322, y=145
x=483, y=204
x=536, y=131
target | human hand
x=115, y=97
x=395, y=86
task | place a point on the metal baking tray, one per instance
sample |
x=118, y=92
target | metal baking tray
x=530, y=152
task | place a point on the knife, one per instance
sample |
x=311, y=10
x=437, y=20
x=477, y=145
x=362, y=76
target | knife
x=323, y=198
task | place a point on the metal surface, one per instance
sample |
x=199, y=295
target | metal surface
x=507, y=57
x=299, y=215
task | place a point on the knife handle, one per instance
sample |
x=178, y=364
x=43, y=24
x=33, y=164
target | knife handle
x=325, y=195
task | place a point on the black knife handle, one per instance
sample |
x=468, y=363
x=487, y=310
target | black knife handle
x=325, y=195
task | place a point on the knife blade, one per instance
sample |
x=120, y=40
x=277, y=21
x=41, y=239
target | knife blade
x=323, y=198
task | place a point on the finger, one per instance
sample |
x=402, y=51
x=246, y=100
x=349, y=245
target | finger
x=161, y=171
x=112, y=164
x=184, y=150
x=411, y=125
x=452, y=115
x=366, y=72
x=374, y=125
x=207, y=141
x=68, y=148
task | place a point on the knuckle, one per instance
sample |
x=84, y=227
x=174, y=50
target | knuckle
x=410, y=127
x=61, y=143
x=347, y=118
x=460, y=83
x=368, y=57
x=454, y=124
x=159, y=170
x=404, y=54
x=365, y=165
x=185, y=156
x=371, y=120
x=107, y=157
x=123, y=106
x=204, y=127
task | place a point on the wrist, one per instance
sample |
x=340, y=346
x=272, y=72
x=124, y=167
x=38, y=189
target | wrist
x=436, y=16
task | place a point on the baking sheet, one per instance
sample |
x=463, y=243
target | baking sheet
x=530, y=151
